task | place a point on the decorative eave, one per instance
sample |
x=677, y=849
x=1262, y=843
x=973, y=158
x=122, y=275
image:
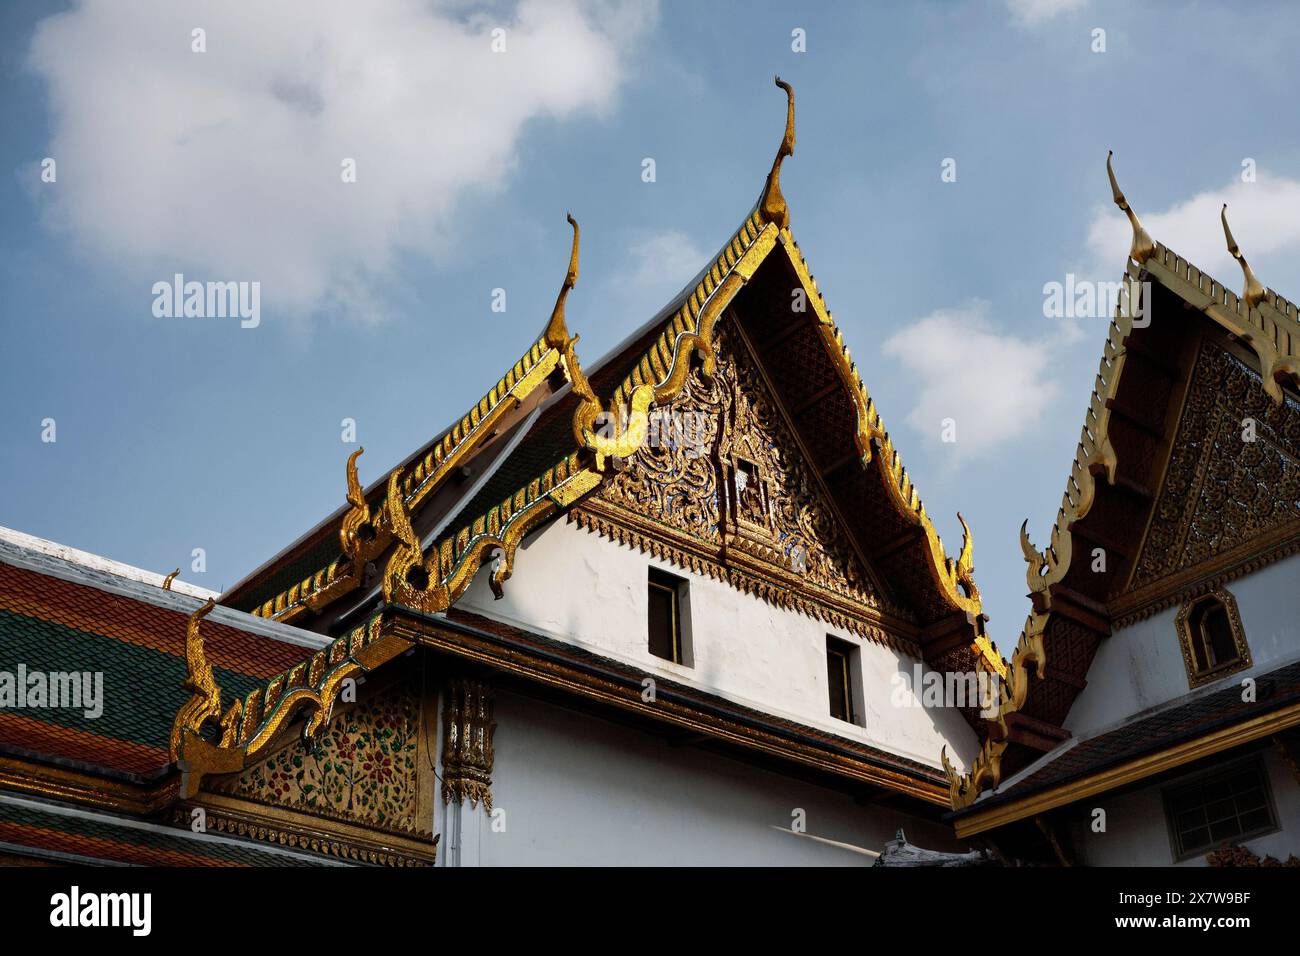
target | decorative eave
x=986, y=771
x=1261, y=318
x=207, y=741
x=447, y=570
x=955, y=578
x=364, y=531
x=1266, y=322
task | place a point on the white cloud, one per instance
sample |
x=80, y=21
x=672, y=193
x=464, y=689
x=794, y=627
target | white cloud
x=228, y=162
x=663, y=262
x=655, y=267
x=1265, y=220
x=1034, y=12
x=995, y=387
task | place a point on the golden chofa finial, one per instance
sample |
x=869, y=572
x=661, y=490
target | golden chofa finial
x=356, y=529
x=205, y=694
x=1143, y=248
x=167, y=581
x=1253, y=294
x=355, y=497
x=772, y=206
x=557, y=333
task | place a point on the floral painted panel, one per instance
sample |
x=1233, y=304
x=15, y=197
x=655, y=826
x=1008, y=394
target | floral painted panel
x=364, y=769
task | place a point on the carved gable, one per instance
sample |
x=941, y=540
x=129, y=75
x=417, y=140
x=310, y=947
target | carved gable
x=723, y=487
x=1223, y=491
x=368, y=768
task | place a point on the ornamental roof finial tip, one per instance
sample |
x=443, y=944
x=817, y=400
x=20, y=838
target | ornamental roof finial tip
x=1142, y=247
x=355, y=496
x=772, y=206
x=557, y=333
x=1253, y=294
x=571, y=279
x=966, y=558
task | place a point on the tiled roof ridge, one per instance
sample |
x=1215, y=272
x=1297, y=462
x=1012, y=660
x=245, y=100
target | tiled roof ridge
x=100, y=564
x=416, y=484
x=54, y=564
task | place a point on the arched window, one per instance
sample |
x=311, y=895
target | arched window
x=1214, y=644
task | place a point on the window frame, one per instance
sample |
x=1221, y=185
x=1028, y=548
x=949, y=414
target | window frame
x=1204, y=779
x=848, y=653
x=1190, y=634
x=680, y=637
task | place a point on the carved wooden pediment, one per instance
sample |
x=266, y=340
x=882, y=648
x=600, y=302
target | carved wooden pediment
x=1234, y=472
x=723, y=486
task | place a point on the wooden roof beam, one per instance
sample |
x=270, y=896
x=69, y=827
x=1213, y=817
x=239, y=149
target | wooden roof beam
x=1080, y=608
x=904, y=540
x=1134, y=417
x=791, y=330
x=817, y=397
x=1034, y=733
x=1098, y=537
x=840, y=464
x=1136, y=345
x=1134, y=488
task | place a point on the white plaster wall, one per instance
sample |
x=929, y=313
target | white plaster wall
x=574, y=789
x=1137, y=833
x=1141, y=666
x=582, y=588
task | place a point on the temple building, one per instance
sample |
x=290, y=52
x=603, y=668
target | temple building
x=670, y=608
x=1150, y=714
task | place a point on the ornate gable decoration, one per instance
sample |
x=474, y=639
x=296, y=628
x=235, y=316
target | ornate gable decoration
x=721, y=487
x=1233, y=475
x=363, y=789
x=364, y=769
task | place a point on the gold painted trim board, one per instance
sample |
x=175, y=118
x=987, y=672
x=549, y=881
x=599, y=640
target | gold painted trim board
x=1130, y=771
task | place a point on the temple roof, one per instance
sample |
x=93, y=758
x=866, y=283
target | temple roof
x=68, y=834
x=1182, y=730
x=535, y=451
x=1133, y=423
x=75, y=615
x=535, y=447
x=314, y=565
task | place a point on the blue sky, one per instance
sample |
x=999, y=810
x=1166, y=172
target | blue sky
x=174, y=434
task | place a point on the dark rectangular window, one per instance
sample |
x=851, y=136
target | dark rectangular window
x=1223, y=807
x=839, y=678
x=665, y=603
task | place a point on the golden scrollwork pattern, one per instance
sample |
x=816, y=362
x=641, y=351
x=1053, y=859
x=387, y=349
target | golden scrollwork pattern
x=986, y=770
x=467, y=743
x=722, y=467
x=1219, y=491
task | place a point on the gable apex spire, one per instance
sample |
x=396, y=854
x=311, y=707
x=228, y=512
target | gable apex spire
x=1253, y=293
x=557, y=333
x=772, y=206
x=1142, y=248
